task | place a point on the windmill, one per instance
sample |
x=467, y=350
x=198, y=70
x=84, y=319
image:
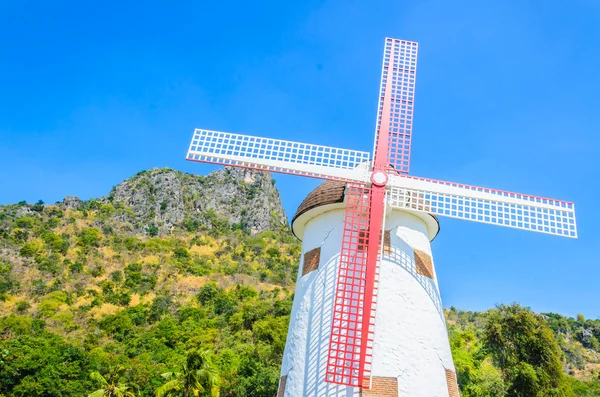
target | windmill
x=371, y=187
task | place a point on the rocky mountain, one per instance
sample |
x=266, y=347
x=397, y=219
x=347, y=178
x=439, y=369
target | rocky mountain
x=158, y=200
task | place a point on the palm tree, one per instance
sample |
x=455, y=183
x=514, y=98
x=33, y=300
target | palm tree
x=111, y=386
x=198, y=378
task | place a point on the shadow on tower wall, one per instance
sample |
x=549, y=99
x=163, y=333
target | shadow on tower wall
x=403, y=255
x=318, y=302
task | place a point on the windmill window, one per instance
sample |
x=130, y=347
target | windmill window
x=362, y=240
x=387, y=242
x=424, y=264
x=311, y=260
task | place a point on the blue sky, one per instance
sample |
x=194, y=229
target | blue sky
x=507, y=97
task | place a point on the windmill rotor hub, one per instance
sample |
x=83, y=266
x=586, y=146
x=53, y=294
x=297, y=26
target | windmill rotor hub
x=379, y=178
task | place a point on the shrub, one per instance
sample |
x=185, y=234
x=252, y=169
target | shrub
x=38, y=206
x=7, y=281
x=32, y=249
x=22, y=306
x=89, y=238
x=181, y=254
x=75, y=267
x=152, y=230
x=25, y=222
x=55, y=243
x=116, y=276
x=119, y=325
x=51, y=302
x=20, y=234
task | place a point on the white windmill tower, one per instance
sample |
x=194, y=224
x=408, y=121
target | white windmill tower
x=367, y=316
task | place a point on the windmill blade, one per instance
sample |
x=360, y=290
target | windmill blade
x=478, y=204
x=393, y=132
x=277, y=155
x=351, y=339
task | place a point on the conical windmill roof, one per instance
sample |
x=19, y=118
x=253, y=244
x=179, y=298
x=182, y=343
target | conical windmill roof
x=331, y=194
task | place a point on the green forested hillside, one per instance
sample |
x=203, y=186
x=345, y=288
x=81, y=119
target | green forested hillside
x=511, y=351
x=129, y=291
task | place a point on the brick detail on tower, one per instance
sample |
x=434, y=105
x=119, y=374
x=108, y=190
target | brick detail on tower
x=387, y=242
x=311, y=260
x=381, y=387
x=452, y=384
x=362, y=240
x=424, y=264
x=282, y=381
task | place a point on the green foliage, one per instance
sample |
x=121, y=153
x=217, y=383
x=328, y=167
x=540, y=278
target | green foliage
x=152, y=230
x=32, y=249
x=198, y=377
x=527, y=343
x=51, y=302
x=22, y=306
x=75, y=267
x=586, y=388
x=92, y=306
x=56, y=243
x=43, y=364
x=475, y=373
x=38, y=206
x=118, y=326
x=181, y=254
x=116, y=276
x=25, y=222
x=8, y=282
x=89, y=237
x=137, y=280
x=191, y=225
x=524, y=349
x=20, y=235
x=111, y=384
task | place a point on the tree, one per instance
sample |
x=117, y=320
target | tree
x=111, y=385
x=152, y=230
x=523, y=347
x=89, y=237
x=477, y=376
x=39, y=206
x=198, y=377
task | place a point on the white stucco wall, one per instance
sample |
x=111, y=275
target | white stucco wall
x=411, y=341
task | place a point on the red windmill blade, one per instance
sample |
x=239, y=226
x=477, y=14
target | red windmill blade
x=397, y=87
x=351, y=341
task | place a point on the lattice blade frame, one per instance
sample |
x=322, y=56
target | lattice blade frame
x=278, y=155
x=478, y=204
x=344, y=364
x=352, y=329
x=396, y=101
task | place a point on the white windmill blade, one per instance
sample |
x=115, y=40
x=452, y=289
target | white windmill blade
x=278, y=155
x=478, y=204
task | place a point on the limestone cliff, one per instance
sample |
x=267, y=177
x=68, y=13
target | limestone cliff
x=162, y=199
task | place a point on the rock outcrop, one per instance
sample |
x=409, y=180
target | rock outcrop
x=72, y=202
x=164, y=198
